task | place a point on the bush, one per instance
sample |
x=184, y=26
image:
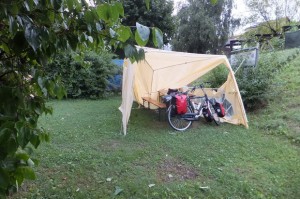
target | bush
x=256, y=84
x=215, y=77
x=87, y=78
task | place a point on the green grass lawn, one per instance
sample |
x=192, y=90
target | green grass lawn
x=87, y=156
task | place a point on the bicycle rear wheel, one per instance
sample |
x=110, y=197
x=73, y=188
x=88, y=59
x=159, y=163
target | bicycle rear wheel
x=214, y=115
x=176, y=121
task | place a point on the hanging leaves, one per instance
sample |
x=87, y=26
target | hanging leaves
x=147, y=2
x=31, y=32
x=142, y=34
x=157, y=37
x=32, y=36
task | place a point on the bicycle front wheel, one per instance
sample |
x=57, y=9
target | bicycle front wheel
x=176, y=121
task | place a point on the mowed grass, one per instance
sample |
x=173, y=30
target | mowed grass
x=88, y=157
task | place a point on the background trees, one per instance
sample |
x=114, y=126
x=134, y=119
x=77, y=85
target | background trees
x=272, y=14
x=203, y=26
x=159, y=15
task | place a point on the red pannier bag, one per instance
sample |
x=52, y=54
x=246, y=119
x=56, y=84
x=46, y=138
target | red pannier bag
x=219, y=108
x=181, y=104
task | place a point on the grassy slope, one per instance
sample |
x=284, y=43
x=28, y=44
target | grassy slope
x=88, y=158
x=283, y=115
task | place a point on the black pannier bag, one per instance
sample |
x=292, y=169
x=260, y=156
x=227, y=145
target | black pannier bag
x=172, y=91
x=170, y=99
x=207, y=114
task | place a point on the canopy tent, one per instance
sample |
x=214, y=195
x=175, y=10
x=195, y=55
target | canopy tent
x=168, y=69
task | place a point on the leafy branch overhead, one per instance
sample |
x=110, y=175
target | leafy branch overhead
x=31, y=32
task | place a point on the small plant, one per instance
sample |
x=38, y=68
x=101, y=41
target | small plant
x=255, y=83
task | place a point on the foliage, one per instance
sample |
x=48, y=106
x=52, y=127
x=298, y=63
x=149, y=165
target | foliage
x=277, y=43
x=215, y=78
x=255, y=83
x=32, y=31
x=82, y=81
x=159, y=15
x=203, y=26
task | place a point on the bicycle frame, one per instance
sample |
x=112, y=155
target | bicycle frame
x=198, y=107
x=195, y=110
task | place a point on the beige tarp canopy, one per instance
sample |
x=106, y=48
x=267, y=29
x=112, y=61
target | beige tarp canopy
x=168, y=69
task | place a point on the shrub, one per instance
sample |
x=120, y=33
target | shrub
x=215, y=77
x=256, y=84
x=277, y=43
x=87, y=78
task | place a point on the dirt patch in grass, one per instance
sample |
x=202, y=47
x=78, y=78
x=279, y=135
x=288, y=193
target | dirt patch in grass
x=110, y=145
x=242, y=171
x=172, y=170
x=295, y=105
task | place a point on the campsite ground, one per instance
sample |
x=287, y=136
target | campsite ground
x=88, y=158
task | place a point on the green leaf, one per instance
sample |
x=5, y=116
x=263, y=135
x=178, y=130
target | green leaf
x=138, y=40
x=88, y=17
x=143, y=32
x=57, y=4
x=129, y=50
x=119, y=8
x=103, y=11
x=32, y=37
x=59, y=91
x=73, y=41
x=41, y=82
x=26, y=172
x=14, y=9
x=113, y=12
x=24, y=135
x=19, y=42
x=214, y=1
x=124, y=33
x=13, y=26
x=22, y=155
x=5, y=48
x=157, y=37
x=140, y=55
x=51, y=16
x=35, y=161
x=30, y=162
x=147, y=2
x=4, y=135
x=11, y=145
x=35, y=140
x=70, y=4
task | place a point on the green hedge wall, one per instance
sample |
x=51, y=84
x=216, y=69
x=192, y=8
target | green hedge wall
x=87, y=78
